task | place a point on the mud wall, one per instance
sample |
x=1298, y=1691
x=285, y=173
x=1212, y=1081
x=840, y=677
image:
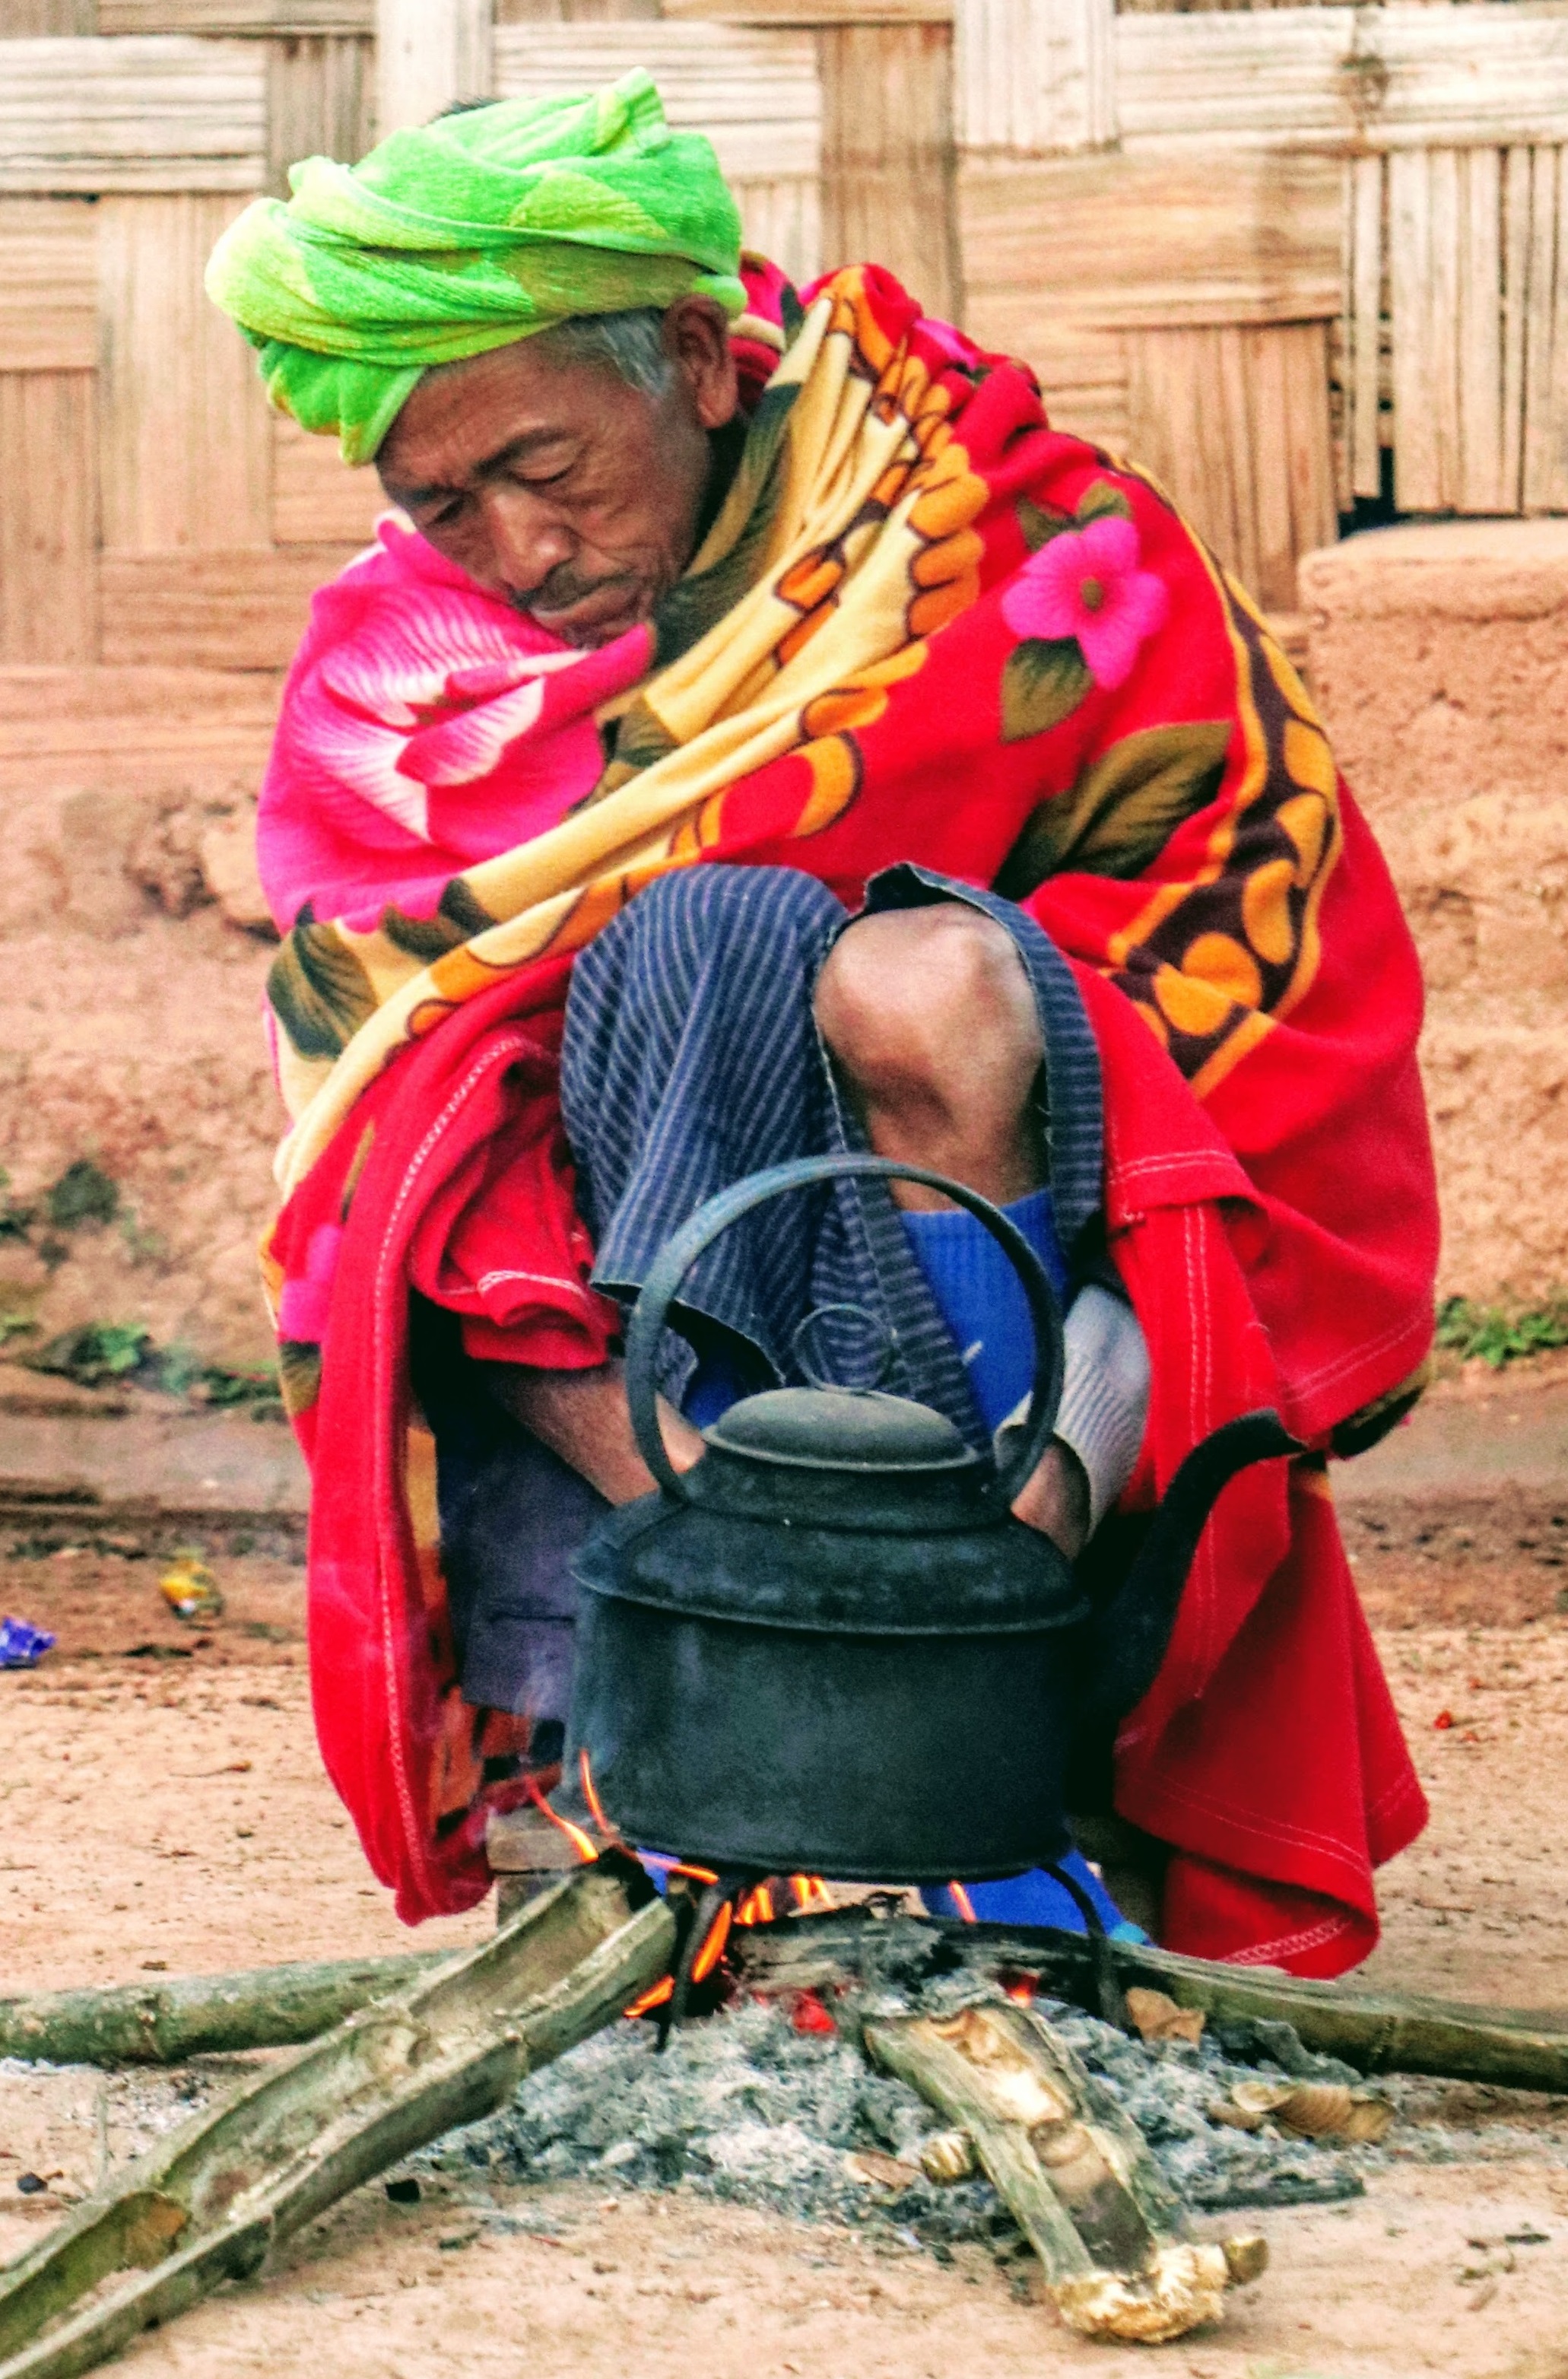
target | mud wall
x=1439, y=654
x=133, y=948
x=130, y=995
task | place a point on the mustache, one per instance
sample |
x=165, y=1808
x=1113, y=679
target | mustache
x=564, y=590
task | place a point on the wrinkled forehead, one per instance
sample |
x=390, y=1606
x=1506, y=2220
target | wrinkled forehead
x=489, y=411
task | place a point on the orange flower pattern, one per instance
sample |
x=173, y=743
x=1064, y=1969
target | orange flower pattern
x=1212, y=962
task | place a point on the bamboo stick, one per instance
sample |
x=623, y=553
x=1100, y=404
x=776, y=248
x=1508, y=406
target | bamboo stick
x=209, y=2201
x=1118, y=2257
x=1378, y=2032
x=193, y=2015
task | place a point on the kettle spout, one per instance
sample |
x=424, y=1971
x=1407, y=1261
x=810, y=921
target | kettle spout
x=1128, y=1632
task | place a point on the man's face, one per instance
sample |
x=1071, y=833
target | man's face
x=558, y=487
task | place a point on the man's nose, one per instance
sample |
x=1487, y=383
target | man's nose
x=528, y=539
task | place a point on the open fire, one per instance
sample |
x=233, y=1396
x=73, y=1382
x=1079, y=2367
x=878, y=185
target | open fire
x=716, y=1904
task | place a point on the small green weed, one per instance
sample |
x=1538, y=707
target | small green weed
x=1492, y=1335
x=84, y=1193
x=100, y=1351
x=15, y=1221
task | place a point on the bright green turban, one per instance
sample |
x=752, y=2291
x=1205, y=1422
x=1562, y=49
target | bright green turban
x=468, y=234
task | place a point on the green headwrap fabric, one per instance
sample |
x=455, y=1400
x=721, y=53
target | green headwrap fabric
x=468, y=234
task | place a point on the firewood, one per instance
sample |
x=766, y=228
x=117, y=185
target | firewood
x=192, y=2015
x=1378, y=2032
x=947, y=2157
x=210, y=2199
x=1309, y=2110
x=1118, y=2257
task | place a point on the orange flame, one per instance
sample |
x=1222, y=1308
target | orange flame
x=579, y=1840
x=810, y=1891
x=655, y=1995
x=966, y=1905
x=1021, y=1989
x=756, y=1908
x=708, y=1956
x=590, y=1795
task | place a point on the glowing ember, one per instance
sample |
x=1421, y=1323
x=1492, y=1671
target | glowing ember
x=756, y=1908
x=708, y=1956
x=655, y=1995
x=809, y=2014
x=810, y=1891
x=966, y=1905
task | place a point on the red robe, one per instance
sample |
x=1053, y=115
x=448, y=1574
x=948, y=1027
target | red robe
x=1161, y=798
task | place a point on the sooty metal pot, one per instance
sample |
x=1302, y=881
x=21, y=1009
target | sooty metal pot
x=828, y=1646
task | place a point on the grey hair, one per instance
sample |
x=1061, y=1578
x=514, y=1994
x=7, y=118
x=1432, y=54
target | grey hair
x=630, y=343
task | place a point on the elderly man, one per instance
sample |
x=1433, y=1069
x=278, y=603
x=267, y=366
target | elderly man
x=770, y=737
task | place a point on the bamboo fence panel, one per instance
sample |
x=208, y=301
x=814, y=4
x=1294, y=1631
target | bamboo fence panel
x=579, y=12
x=1401, y=76
x=756, y=94
x=250, y=17
x=1158, y=242
x=1364, y=330
x=48, y=285
x=317, y=498
x=241, y=609
x=887, y=155
x=48, y=587
x=1230, y=420
x=1516, y=166
x=154, y=114
x=1068, y=260
x=1545, y=469
x=822, y=13
x=185, y=434
x=1200, y=227
x=32, y=20
x=426, y=56
x=321, y=101
x=1472, y=266
x=1035, y=77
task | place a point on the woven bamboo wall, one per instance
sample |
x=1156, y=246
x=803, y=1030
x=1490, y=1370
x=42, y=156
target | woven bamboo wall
x=1252, y=249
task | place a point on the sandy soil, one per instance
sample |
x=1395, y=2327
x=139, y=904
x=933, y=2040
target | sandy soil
x=164, y=1807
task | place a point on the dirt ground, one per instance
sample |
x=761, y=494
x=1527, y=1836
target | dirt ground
x=164, y=1809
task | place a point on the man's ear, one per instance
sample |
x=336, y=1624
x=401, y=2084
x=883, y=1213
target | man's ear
x=696, y=338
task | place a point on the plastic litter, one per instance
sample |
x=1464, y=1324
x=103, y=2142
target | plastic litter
x=190, y=1590
x=22, y=1646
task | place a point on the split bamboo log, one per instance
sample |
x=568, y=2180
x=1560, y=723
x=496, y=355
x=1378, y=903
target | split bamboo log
x=209, y=2201
x=1378, y=2032
x=1117, y=2254
x=193, y=2015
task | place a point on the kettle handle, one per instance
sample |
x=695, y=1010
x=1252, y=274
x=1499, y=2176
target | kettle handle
x=675, y=1261
x=1128, y=1636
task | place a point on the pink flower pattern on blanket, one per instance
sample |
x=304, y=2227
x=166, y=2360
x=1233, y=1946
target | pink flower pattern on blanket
x=426, y=726
x=1086, y=584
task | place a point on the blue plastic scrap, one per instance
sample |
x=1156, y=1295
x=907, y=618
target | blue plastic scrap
x=22, y=1646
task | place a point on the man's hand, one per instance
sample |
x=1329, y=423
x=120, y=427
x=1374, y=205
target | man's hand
x=1056, y=1500
x=583, y=1416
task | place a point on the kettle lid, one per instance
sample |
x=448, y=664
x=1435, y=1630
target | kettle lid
x=841, y=1429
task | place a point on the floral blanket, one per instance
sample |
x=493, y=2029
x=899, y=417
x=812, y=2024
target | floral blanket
x=923, y=626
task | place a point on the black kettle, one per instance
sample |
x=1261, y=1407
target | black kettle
x=828, y=1647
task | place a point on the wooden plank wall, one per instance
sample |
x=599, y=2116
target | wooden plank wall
x=1254, y=247
x=152, y=509
x=887, y=162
